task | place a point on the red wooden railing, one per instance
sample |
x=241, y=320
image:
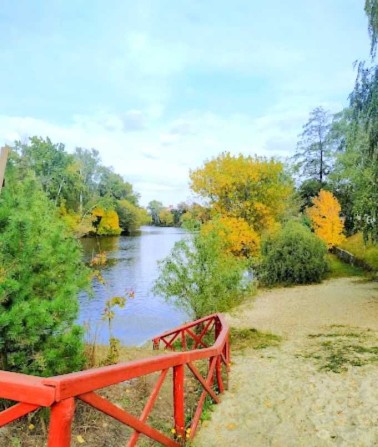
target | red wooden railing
x=204, y=339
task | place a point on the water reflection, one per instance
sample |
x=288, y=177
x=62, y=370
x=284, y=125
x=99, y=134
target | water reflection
x=132, y=266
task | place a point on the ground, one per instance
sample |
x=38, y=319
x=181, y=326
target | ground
x=318, y=387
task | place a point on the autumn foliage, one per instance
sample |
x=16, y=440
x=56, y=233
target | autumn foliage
x=255, y=189
x=239, y=238
x=109, y=224
x=325, y=218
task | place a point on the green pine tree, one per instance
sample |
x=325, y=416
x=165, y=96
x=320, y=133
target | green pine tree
x=41, y=273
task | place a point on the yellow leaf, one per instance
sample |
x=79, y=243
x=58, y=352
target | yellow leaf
x=238, y=236
x=80, y=439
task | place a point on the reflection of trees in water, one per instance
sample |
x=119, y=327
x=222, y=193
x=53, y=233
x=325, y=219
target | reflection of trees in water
x=94, y=245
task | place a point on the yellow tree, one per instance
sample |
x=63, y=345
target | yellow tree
x=109, y=223
x=325, y=218
x=255, y=189
x=166, y=217
x=239, y=238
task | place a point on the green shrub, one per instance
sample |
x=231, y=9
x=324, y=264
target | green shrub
x=41, y=273
x=200, y=277
x=293, y=256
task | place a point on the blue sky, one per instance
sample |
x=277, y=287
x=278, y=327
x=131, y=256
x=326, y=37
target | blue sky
x=159, y=86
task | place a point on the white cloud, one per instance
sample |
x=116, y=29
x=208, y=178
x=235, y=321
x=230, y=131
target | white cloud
x=158, y=159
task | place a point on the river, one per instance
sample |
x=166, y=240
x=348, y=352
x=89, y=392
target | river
x=132, y=265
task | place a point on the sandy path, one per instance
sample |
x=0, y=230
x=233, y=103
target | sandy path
x=279, y=398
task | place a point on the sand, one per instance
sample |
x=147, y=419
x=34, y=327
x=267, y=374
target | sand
x=279, y=397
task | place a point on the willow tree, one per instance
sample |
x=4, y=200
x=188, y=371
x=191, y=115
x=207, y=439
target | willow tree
x=371, y=10
x=361, y=155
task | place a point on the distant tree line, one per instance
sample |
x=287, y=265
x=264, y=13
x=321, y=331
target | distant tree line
x=176, y=216
x=91, y=198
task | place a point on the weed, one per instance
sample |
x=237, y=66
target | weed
x=340, y=349
x=242, y=339
x=208, y=407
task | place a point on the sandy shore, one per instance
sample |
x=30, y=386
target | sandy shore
x=280, y=397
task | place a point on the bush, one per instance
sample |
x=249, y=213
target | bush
x=41, y=273
x=293, y=256
x=201, y=277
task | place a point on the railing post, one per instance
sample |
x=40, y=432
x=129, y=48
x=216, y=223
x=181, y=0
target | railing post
x=218, y=328
x=3, y=162
x=60, y=423
x=218, y=369
x=178, y=400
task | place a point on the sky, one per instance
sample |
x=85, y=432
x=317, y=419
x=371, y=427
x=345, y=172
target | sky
x=161, y=86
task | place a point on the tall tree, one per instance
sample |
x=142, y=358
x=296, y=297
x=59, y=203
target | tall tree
x=313, y=158
x=131, y=217
x=52, y=165
x=88, y=166
x=325, y=218
x=112, y=185
x=371, y=10
x=255, y=189
x=154, y=208
x=362, y=151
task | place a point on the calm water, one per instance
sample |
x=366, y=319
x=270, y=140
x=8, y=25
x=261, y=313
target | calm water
x=132, y=266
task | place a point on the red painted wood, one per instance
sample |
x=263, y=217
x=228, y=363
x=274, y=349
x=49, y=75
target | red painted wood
x=70, y=385
x=123, y=416
x=178, y=400
x=197, y=339
x=189, y=325
x=28, y=389
x=15, y=412
x=202, y=381
x=197, y=414
x=218, y=370
x=59, y=392
x=62, y=414
x=148, y=407
x=183, y=340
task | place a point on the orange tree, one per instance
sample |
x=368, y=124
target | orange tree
x=325, y=218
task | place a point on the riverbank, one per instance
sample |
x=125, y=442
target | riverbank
x=318, y=388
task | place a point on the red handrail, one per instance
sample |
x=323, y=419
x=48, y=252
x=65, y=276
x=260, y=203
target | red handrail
x=60, y=392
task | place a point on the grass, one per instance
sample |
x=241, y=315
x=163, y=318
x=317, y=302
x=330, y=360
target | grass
x=365, y=252
x=342, y=348
x=242, y=339
x=340, y=269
